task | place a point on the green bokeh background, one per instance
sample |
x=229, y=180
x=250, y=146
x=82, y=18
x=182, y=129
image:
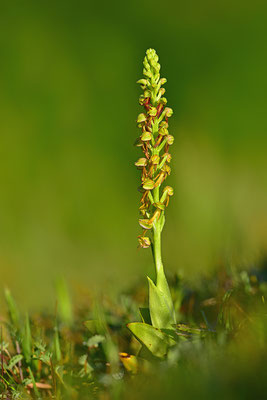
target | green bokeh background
x=68, y=104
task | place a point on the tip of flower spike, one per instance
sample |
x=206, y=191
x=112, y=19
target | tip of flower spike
x=152, y=55
x=151, y=64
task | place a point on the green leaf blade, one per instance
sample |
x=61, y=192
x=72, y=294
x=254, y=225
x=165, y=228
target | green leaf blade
x=160, y=312
x=154, y=340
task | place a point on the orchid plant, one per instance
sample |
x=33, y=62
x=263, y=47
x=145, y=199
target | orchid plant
x=155, y=332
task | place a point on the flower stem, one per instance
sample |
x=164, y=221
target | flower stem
x=157, y=247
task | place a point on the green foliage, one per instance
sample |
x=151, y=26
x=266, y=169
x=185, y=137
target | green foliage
x=64, y=302
x=27, y=340
x=221, y=340
x=155, y=340
x=57, y=349
x=36, y=391
x=12, y=309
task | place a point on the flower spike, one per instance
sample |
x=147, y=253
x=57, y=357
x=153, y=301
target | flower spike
x=154, y=141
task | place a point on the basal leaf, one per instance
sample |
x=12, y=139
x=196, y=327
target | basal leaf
x=155, y=340
x=163, y=286
x=160, y=312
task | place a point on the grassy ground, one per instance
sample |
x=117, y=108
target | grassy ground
x=85, y=350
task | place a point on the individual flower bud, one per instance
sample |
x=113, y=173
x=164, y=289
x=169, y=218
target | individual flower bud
x=146, y=64
x=159, y=205
x=142, y=162
x=163, y=101
x=162, y=81
x=153, y=111
x=141, y=100
x=154, y=64
x=168, y=169
x=155, y=159
x=143, y=82
x=169, y=190
x=164, y=124
x=168, y=112
x=162, y=91
x=144, y=242
x=147, y=93
x=147, y=73
x=168, y=157
x=145, y=224
x=170, y=139
x=157, y=76
x=163, y=131
x=146, y=136
x=148, y=184
x=141, y=118
x=165, y=168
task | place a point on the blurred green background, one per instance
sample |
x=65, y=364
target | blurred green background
x=68, y=104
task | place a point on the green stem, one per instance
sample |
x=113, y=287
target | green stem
x=162, y=162
x=157, y=237
x=162, y=145
x=161, y=281
x=157, y=234
x=157, y=247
